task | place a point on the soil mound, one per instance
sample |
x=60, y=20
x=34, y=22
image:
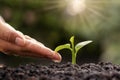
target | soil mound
x=88, y=71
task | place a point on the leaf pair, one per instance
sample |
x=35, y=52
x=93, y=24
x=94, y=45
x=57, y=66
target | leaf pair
x=73, y=48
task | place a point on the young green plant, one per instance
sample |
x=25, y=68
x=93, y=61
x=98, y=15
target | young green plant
x=73, y=48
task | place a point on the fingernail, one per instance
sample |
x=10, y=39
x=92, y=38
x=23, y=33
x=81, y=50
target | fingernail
x=19, y=41
x=58, y=57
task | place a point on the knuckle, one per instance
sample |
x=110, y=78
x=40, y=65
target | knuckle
x=20, y=33
x=28, y=44
x=11, y=36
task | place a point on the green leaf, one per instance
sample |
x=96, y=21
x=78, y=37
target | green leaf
x=64, y=46
x=80, y=45
x=72, y=40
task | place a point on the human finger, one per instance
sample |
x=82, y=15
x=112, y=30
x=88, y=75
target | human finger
x=1, y=19
x=8, y=48
x=8, y=33
x=41, y=50
x=33, y=40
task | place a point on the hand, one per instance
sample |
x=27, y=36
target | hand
x=13, y=42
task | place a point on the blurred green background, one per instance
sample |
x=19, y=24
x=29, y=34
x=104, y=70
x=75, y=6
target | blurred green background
x=53, y=22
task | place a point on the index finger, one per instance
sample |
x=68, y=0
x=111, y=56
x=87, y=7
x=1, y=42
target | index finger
x=41, y=50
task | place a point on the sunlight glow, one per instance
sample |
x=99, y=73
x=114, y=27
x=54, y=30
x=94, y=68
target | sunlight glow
x=86, y=16
x=75, y=7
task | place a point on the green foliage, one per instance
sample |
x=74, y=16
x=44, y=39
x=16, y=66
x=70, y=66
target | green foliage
x=73, y=48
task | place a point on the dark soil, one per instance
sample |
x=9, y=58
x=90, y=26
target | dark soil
x=90, y=71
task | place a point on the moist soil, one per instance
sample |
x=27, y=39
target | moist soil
x=88, y=71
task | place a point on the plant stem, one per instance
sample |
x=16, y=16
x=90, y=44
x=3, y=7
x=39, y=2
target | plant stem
x=73, y=53
x=73, y=58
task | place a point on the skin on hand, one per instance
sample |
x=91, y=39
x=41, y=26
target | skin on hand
x=13, y=42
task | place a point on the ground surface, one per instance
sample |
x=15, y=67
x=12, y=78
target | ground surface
x=91, y=71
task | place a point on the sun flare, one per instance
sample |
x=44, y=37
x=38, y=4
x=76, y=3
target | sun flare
x=75, y=7
x=81, y=15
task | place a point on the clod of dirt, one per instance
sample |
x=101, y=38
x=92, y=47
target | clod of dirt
x=88, y=71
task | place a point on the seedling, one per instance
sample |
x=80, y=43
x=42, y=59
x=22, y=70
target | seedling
x=73, y=48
